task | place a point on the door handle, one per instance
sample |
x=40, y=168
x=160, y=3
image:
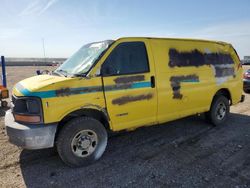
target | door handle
x=152, y=79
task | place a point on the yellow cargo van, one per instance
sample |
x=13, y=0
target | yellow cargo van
x=121, y=85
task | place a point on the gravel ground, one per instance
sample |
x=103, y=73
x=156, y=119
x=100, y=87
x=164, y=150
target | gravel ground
x=183, y=153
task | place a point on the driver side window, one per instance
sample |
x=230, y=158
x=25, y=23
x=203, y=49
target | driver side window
x=126, y=58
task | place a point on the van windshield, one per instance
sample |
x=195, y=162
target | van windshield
x=81, y=62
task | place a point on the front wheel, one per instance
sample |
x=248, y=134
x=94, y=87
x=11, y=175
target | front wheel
x=81, y=141
x=219, y=110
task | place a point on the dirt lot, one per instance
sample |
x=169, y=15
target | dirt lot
x=184, y=153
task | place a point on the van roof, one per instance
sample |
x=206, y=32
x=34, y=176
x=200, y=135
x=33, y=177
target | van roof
x=186, y=39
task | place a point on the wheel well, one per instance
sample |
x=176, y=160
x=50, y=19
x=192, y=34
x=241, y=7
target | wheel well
x=95, y=114
x=225, y=92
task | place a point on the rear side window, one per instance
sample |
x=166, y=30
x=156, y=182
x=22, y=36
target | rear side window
x=126, y=58
x=197, y=58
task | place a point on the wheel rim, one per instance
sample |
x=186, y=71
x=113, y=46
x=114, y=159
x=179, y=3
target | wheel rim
x=221, y=111
x=84, y=143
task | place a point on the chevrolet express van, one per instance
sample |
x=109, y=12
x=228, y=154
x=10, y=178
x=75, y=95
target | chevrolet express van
x=121, y=85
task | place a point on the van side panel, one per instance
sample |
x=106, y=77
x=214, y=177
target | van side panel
x=236, y=85
x=189, y=73
x=81, y=94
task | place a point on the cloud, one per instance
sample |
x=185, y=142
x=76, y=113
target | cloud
x=7, y=33
x=48, y=5
x=236, y=33
x=225, y=31
x=37, y=7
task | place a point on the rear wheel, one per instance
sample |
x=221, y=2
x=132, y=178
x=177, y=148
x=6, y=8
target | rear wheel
x=82, y=141
x=219, y=110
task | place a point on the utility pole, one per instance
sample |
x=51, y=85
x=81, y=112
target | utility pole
x=44, y=55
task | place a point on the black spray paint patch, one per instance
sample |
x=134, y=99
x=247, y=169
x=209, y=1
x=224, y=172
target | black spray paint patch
x=127, y=99
x=221, y=63
x=129, y=79
x=197, y=58
x=176, y=83
x=74, y=91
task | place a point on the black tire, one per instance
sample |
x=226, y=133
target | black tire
x=213, y=116
x=4, y=103
x=247, y=91
x=66, y=145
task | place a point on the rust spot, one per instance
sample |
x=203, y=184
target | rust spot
x=129, y=79
x=176, y=83
x=197, y=58
x=127, y=99
x=97, y=107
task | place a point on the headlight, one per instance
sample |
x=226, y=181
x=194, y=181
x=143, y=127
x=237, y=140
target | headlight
x=33, y=106
x=27, y=110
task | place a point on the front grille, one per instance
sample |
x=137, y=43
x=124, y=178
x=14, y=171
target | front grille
x=13, y=98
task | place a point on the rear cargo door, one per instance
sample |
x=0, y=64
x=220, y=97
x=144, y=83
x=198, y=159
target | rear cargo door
x=129, y=87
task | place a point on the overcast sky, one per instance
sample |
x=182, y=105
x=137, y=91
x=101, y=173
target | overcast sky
x=66, y=25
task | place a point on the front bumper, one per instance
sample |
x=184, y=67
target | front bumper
x=29, y=136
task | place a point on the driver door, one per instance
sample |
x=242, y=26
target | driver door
x=129, y=85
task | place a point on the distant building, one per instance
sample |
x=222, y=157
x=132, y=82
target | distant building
x=34, y=61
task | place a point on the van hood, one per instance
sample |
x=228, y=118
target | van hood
x=36, y=85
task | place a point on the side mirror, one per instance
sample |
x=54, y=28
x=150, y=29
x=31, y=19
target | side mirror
x=105, y=71
x=98, y=71
x=39, y=72
x=108, y=71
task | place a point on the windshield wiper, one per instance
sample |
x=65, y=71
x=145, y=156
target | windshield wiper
x=62, y=72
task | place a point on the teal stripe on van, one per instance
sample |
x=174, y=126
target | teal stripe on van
x=77, y=91
x=41, y=94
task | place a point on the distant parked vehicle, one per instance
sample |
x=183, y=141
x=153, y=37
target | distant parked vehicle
x=246, y=81
x=245, y=62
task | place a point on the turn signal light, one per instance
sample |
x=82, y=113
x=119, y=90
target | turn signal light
x=4, y=94
x=28, y=119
